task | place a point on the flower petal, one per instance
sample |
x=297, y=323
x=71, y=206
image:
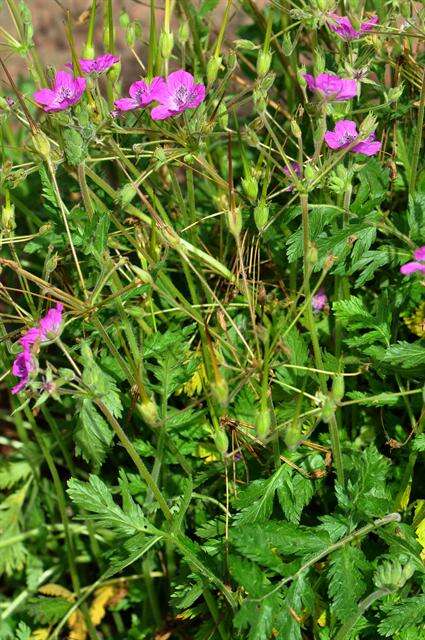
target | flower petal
x=126, y=104
x=161, y=112
x=44, y=96
x=411, y=267
x=419, y=253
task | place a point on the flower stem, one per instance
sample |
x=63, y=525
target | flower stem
x=418, y=138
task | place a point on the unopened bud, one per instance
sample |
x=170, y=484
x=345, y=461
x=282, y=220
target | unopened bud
x=183, y=32
x=368, y=125
x=319, y=62
x=88, y=52
x=328, y=410
x=220, y=390
x=213, y=67
x=250, y=186
x=262, y=423
x=338, y=387
x=149, y=412
x=133, y=33
x=264, y=61
x=125, y=195
x=295, y=129
x=287, y=45
x=231, y=61
x=309, y=172
x=392, y=575
x=41, y=144
x=261, y=215
x=124, y=20
x=292, y=435
x=312, y=253
x=8, y=217
x=222, y=115
x=221, y=441
x=143, y=275
x=166, y=43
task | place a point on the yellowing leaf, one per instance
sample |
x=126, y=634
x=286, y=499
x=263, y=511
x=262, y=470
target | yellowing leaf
x=208, y=452
x=101, y=598
x=77, y=626
x=321, y=620
x=57, y=591
x=40, y=634
x=420, y=534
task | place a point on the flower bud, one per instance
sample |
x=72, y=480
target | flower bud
x=392, y=575
x=234, y=221
x=222, y=116
x=125, y=195
x=149, y=412
x=220, y=390
x=262, y=423
x=309, y=172
x=183, y=32
x=221, y=441
x=166, y=43
x=319, y=62
x=133, y=33
x=312, y=253
x=338, y=387
x=287, y=45
x=231, y=61
x=8, y=223
x=292, y=435
x=143, y=275
x=368, y=126
x=114, y=72
x=264, y=61
x=261, y=215
x=213, y=67
x=250, y=186
x=295, y=129
x=124, y=20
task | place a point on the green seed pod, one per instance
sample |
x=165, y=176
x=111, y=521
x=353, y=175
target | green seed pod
x=231, y=61
x=221, y=441
x=287, y=45
x=312, y=254
x=149, y=412
x=264, y=61
x=125, y=195
x=250, y=186
x=114, y=72
x=222, y=116
x=213, y=68
x=338, y=388
x=295, y=129
x=261, y=215
x=262, y=423
x=166, y=43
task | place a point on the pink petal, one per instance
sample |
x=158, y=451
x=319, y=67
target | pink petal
x=367, y=147
x=197, y=96
x=346, y=127
x=161, y=112
x=348, y=89
x=30, y=337
x=411, y=267
x=137, y=88
x=126, y=104
x=333, y=140
x=419, y=253
x=64, y=79
x=369, y=24
x=179, y=78
x=311, y=83
x=159, y=90
x=44, y=96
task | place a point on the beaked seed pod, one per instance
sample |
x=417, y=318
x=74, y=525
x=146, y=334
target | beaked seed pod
x=213, y=68
x=338, y=388
x=166, y=43
x=250, y=186
x=149, y=412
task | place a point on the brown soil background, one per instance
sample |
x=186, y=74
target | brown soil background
x=49, y=18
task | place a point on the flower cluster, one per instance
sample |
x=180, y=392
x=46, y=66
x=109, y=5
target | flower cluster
x=48, y=329
x=174, y=94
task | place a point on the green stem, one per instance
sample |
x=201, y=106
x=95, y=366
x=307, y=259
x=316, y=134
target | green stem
x=361, y=608
x=418, y=138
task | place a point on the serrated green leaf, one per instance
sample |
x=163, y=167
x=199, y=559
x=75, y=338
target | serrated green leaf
x=406, y=354
x=93, y=435
x=405, y=615
x=346, y=580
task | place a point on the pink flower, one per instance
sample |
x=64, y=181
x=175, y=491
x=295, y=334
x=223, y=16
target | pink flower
x=141, y=94
x=345, y=133
x=332, y=87
x=178, y=93
x=417, y=265
x=66, y=91
x=100, y=64
x=296, y=167
x=23, y=365
x=343, y=27
x=49, y=328
x=319, y=300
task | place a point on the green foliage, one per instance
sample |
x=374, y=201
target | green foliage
x=346, y=580
x=404, y=616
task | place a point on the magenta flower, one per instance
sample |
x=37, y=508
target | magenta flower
x=178, y=93
x=49, y=328
x=319, y=300
x=100, y=64
x=141, y=94
x=296, y=167
x=345, y=133
x=417, y=265
x=332, y=87
x=343, y=27
x=66, y=91
x=23, y=365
